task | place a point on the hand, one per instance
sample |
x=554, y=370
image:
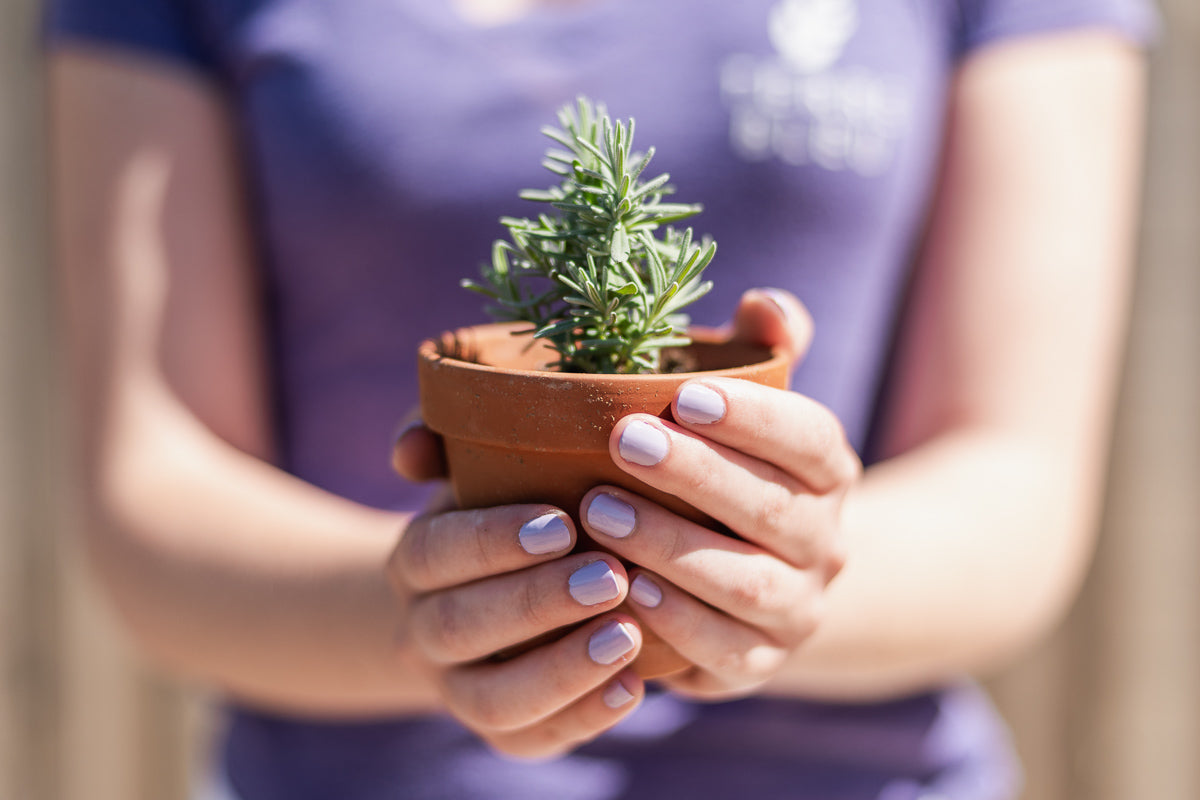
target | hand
x=771, y=465
x=487, y=594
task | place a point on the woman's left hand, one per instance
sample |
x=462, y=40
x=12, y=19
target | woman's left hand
x=771, y=465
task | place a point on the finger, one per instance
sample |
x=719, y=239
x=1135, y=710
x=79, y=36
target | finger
x=441, y=550
x=789, y=430
x=755, y=499
x=478, y=619
x=736, y=654
x=577, y=724
x=515, y=694
x=737, y=577
x=773, y=318
x=418, y=455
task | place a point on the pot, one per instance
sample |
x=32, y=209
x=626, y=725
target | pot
x=516, y=432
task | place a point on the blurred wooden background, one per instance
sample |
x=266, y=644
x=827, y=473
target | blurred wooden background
x=1109, y=709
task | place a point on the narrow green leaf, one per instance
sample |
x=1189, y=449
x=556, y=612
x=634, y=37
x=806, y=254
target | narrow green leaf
x=583, y=171
x=555, y=328
x=562, y=138
x=541, y=196
x=620, y=244
x=642, y=164
x=650, y=186
x=591, y=148
x=480, y=288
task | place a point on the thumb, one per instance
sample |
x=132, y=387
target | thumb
x=774, y=318
x=417, y=454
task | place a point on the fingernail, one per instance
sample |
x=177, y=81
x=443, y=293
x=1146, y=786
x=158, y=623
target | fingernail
x=781, y=302
x=643, y=444
x=610, y=643
x=593, y=584
x=546, y=534
x=645, y=592
x=611, y=516
x=409, y=427
x=616, y=695
x=699, y=404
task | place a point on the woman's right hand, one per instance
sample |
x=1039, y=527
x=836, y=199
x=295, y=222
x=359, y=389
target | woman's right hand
x=477, y=586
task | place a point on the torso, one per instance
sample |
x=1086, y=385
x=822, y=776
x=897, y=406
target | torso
x=808, y=128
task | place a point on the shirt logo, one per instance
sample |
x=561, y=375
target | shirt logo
x=804, y=105
x=811, y=34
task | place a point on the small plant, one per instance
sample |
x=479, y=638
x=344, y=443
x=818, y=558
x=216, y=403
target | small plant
x=602, y=277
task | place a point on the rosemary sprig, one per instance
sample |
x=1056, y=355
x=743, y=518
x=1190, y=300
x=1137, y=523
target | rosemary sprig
x=601, y=276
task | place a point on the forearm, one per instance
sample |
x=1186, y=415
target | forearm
x=961, y=552
x=231, y=572
x=971, y=543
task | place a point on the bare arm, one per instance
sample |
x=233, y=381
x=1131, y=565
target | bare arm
x=970, y=541
x=224, y=567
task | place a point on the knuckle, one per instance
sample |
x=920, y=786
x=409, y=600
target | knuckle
x=730, y=662
x=479, y=705
x=835, y=561
x=530, y=604
x=749, y=666
x=850, y=467
x=488, y=710
x=479, y=535
x=760, y=419
x=826, y=439
x=668, y=547
x=762, y=662
x=686, y=628
x=835, y=453
x=441, y=627
x=701, y=478
x=411, y=559
x=774, y=510
x=804, y=620
x=753, y=592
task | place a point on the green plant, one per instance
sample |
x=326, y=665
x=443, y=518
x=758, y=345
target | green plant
x=602, y=276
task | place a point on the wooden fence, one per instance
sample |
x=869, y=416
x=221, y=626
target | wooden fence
x=1108, y=709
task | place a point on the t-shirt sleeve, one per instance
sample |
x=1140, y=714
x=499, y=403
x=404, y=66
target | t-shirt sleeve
x=986, y=21
x=164, y=28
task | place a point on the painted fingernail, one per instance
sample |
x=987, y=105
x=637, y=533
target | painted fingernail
x=699, y=404
x=645, y=592
x=611, y=516
x=546, y=534
x=643, y=444
x=610, y=643
x=408, y=428
x=616, y=695
x=593, y=584
x=782, y=302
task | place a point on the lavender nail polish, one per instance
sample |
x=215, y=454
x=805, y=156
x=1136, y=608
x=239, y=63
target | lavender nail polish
x=699, y=404
x=610, y=643
x=616, y=695
x=645, y=592
x=545, y=534
x=643, y=444
x=611, y=516
x=596, y=583
x=781, y=301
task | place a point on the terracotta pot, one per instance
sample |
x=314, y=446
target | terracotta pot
x=517, y=433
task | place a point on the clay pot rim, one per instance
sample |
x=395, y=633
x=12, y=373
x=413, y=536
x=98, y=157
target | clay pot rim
x=430, y=351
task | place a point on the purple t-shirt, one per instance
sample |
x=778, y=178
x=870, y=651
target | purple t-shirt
x=383, y=140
